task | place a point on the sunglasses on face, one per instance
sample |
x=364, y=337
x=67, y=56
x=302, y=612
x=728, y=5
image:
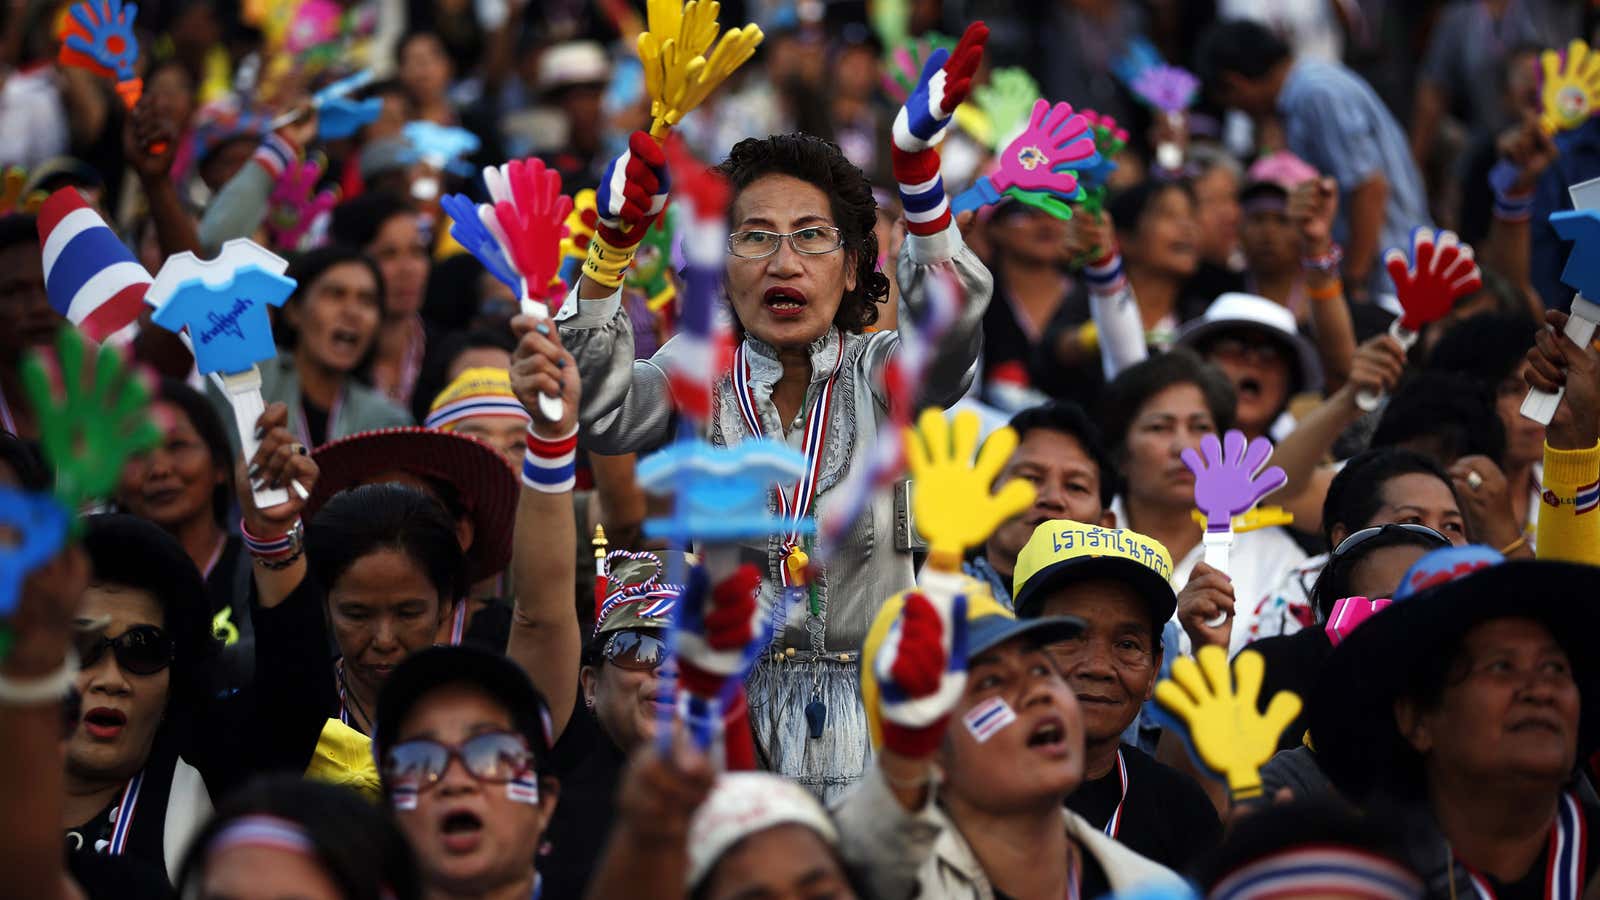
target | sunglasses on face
x=495, y=757
x=1357, y=538
x=141, y=650
x=636, y=651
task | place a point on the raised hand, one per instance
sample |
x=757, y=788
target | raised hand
x=1557, y=365
x=944, y=83
x=625, y=206
x=1571, y=89
x=1008, y=100
x=1228, y=731
x=950, y=494
x=1441, y=270
x=102, y=39
x=716, y=625
x=532, y=213
x=295, y=204
x=1313, y=205
x=279, y=462
x=1230, y=479
x=543, y=372
x=100, y=418
x=921, y=670
x=468, y=229
x=39, y=526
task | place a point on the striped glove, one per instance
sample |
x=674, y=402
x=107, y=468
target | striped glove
x=716, y=626
x=922, y=671
x=632, y=193
x=920, y=126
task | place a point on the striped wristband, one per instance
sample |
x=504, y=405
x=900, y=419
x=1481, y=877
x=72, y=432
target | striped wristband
x=548, y=466
x=1105, y=277
x=270, y=548
x=275, y=155
x=1509, y=205
x=921, y=191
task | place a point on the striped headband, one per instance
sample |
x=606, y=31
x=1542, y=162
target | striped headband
x=262, y=831
x=1320, y=870
x=475, y=392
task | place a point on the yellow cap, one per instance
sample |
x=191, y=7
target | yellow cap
x=344, y=757
x=1062, y=550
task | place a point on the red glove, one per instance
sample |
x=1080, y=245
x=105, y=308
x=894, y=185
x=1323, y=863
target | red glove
x=713, y=636
x=921, y=673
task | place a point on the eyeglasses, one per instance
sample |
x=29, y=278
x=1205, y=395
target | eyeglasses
x=813, y=241
x=1357, y=538
x=636, y=651
x=141, y=650
x=495, y=756
x=1259, y=352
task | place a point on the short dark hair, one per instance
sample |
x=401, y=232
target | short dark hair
x=1486, y=347
x=376, y=517
x=1333, y=583
x=32, y=473
x=1459, y=414
x=1128, y=207
x=356, y=843
x=1239, y=46
x=442, y=353
x=357, y=222
x=1355, y=493
x=130, y=552
x=1132, y=389
x=1069, y=418
x=820, y=163
x=203, y=416
x=1311, y=823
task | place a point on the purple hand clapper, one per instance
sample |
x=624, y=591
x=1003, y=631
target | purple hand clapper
x=1230, y=480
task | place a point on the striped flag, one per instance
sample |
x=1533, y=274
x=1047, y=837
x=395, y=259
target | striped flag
x=92, y=278
x=707, y=338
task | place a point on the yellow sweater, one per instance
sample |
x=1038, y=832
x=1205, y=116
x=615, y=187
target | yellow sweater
x=1569, y=520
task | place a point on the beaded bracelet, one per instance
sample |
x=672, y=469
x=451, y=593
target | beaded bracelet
x=548, y=466
x=1327, y=262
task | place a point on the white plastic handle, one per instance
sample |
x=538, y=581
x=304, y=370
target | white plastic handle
x=1366, y=401
x=551, y=407
x=244, y=397
x=1218, y=544
x=1540, y=406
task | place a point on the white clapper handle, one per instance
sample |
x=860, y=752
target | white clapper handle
x=550, y=406
x=1217, y=544
x=1540, y=406
x=243, y=390
x=1367, y=402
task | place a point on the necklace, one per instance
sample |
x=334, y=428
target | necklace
x=347, y=701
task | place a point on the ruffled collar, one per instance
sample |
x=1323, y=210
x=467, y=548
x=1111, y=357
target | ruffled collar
x=824, y=353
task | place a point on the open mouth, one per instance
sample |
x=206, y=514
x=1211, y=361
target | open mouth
x=1249, y=388
x=460, y=831
x=345, y=339
x=1050, y=734
x=103, y=723
x=785, y=302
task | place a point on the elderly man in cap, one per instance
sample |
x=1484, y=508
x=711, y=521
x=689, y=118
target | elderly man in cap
x=1114, y=581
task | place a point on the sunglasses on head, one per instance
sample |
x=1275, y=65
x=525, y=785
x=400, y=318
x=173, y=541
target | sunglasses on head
x=636, y=651
x=1357, y=538
x=495, y=757
x=141, y=650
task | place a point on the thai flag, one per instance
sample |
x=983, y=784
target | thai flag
x=988, y=718
x=92, y=278
x=1588, y=498
x=524, y=788
x=703, y=341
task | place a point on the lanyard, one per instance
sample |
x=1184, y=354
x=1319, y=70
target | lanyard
x=1114, y=824
x=6, y=420
x=303, y=425
x=1563, y=878
x=222, y=542
x=458, y=625
x=797, y=505
x=124, y=823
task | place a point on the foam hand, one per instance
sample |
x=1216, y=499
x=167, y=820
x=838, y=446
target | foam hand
x=1044, y=201
x=97, y=421
x=652, y=269
x=1040, y=159
x=1229, y=734
x=1170, y=89
x=1348, y=614
x=1582, y=273
x=580, y=230
x=338, y=116
x=921, y=670
x=531, y=212
x=39, y=526
x=295, y=206
x=717, y=623
x=1230, y=479
x=1571, y=88
x=1440, y=271
x=950, y=494
x=903, y=66
x=443, y=147
x=467, y=227
x=944, y=83
x=677, y=73
x=100, y=39
x=1008, y=100
x=632, y=192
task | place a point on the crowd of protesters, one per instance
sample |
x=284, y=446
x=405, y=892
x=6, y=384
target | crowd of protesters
x=461, y=657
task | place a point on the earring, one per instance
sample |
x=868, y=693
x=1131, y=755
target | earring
x=588, y=702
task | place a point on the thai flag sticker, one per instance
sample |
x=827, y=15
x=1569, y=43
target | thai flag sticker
x=404, y=796
x=1588, y=498
x=987, y=719
x=524, y=788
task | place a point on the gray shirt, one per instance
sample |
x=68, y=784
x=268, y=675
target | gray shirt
x=1467, y=52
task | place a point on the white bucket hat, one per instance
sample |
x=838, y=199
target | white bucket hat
x=1233, y=311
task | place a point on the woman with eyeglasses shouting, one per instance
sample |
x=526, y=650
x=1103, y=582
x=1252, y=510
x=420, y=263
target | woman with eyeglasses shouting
x=802, y=285
x=463, y=747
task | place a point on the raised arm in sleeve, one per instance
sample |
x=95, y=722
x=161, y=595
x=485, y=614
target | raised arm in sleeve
x=955, y=359
x=241, y=205
x=627, y=407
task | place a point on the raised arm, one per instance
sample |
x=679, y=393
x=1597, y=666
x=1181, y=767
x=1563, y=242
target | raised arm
x=545, y=638
x=1525, y=152
x=1312, y=207
x=269, y=533
x=242, y=204
x=1572, y=446
x=626, y=404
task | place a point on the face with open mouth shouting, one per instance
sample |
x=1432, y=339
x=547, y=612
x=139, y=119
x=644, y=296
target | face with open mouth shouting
x=471, y=839
x=1509, y=705
x=1258, y=366
x=787, y=299
x=1038, y=758
x=121, y=710
x=336, y=317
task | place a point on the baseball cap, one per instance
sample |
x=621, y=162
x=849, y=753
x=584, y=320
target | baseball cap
x=747, y=803
x=1062, y=552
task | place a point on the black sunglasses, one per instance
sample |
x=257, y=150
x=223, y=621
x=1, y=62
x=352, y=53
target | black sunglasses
x=1357, y=538
x=141, y=650
x=494, y=756
x=636, y=651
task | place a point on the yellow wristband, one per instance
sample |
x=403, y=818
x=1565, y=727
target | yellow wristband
x=607, y=264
